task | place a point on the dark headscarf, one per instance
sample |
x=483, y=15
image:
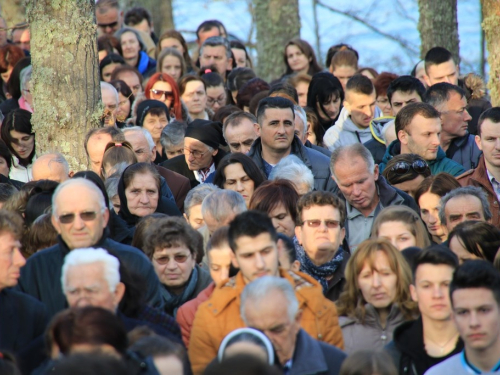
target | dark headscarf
x=144, y=107
x=207, y=132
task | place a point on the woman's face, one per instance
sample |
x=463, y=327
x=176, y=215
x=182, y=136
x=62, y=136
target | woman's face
x=108, y=70
x=343, y=73
x=302, y=88
x=123, y=107
x=384, y=104
x=237, y=180
x=216, y=97
x=172, y=43
x=240, y=56
x=378, y=285
x=22, y=143
x=4, y=168
x=410, y=186
x=163, y=92
x=296, y=59
x=460, y=250
x=195, y=97
x=398, y=234
x=282, y=220
x=331, y=108
x=174, y=265
x=429, y=204
x=130, y=45
x=172, y=66
x=142, y=195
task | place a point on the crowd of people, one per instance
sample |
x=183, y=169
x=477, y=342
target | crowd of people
x=335, y=220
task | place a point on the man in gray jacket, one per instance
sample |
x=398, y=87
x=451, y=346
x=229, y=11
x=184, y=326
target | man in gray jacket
x=275, y=128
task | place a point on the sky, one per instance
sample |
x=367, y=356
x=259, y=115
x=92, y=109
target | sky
x=395, y=17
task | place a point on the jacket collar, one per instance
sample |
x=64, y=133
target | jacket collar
x=296, y=148
x=387, y=194
x=480, y=175
x=308, y=357
x=65, y=249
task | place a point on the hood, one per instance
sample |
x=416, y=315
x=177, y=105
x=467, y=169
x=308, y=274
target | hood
x=350, y=127
x=474, y=86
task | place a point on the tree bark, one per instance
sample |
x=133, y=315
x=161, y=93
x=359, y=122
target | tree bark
x=277, y=22
x=161, y=11
x=13, y=11
x=438, y=26
x=491, y=19
x=65, y=77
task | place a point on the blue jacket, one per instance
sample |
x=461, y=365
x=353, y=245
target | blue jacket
x=465, y=152
x=440, y=164
x=145, y=64
x=312, y=357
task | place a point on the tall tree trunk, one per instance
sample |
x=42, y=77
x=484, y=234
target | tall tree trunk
x=438, y=26
x=277, y=22
x=161, y=11
x=491, y=20
x=13, y=11
x=65, y=79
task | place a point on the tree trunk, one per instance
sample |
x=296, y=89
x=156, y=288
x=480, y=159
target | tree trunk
x=65, y=78
x=161, y=11
x=277, y=22
x=13, y=11
x=438, y=26
x=491, y=19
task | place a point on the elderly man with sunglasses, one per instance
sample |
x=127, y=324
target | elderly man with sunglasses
x=80, y=216
x=418, y=126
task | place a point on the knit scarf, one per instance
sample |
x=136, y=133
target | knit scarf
x=173, y=301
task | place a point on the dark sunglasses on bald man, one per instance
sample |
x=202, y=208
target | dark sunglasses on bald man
x=85, y=216
x=403, y=167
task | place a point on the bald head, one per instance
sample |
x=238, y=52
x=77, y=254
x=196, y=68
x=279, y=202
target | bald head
x=52, y=167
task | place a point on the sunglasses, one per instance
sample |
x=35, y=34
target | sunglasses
x=330, y=224
x=403, y=167
x=157, y=94
x=178, y=258
x=111, y=25
x=69, y=218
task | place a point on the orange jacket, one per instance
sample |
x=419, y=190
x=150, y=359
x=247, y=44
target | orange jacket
x=220, y=315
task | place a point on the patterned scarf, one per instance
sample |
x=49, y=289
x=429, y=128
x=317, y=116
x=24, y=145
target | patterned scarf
x=173, y=301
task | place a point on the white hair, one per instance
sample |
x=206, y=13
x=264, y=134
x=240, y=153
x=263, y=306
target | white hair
x=77, y=181
x=221, y=204
x=25, y=77
x=196, y=195
x=293, y=169
x=261, y=287
x=80, y=257
x=299, y=112
x=147, y=134
x=110, y=87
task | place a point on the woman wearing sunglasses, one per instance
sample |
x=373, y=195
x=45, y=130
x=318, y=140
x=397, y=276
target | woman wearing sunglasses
x=406, y=172
x=163, y=88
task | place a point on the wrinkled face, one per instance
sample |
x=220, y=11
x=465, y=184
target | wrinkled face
x=454, y=116
x=410, y=186
x=155, y=124
x=282, y=220
x=445, y=72
x=172, y=66
x=460, y=251
x=123, y=107
x=140, y=145
x=172, y=43
x=216, y=97
x=429, y=204
x=109, y=21
x=398, y=234
x=4, y=168
x=21, y=38
x=219, y=262
x=130, y=45
x=431, y=290
x=477, y=316
x=384, y=105
x=216, y=56
x=320, y=232
x=11, y=260
x=378, y=285
x=27, y=94
x=277, y=129
x=344, y=74
x=78, y=201
x=195, y=97
x=132, y=81
x=240, y=138
x=240, y=57
x=162, y=91
x=142, y=195
x=463, y=208
x=194, y=217
x=86, y=285
x=361, y=108
x=489, y=142
x=110, y=101
x=401, y=99
x=174, y=150
x=299, y=129
x=296, y=59
x=197, y=154
x=331, y=108
x=22, y=143
x=108, y=70
x=95, y=149
x=421, y=137
x=270, y=316
x=238, y=180
x=174, y=265
x=256, y=256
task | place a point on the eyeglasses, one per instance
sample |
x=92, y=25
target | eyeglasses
x=111, y=25
x=178, y=258
x=158, y=94
x=403, y=167
x=219, y=100
x=85, y=216
x=196, y=154
x=315, y=223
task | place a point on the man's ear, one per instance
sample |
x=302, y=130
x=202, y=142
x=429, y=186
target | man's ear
x=55, y=223
x=376, y=172
x=105, y=216
x=477, y=138
x=413, y=293
x=403, y=137
x=71, y=174
x=153, y=154
x=119, y=292
x=427, y=80
x=234, y=261
x=256, y=126
x=347, y=106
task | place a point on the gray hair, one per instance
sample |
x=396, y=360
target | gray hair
x=261, y=287
x=293, y=169
x=172, y=134
x=77, y=181
x=78, y=257
x=124, y=30
x=110, y=87
x=299, y=112
x=147, y=134
x=196, y=195
x=350, y=152
x=111, y=184
x=215, y=41
x=221, y=203
x=25, y=77
x=464, y=191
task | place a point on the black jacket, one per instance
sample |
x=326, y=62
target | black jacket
x=336, y=284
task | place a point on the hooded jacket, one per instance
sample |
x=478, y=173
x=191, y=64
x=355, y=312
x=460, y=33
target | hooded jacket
x=477, y=103
x=318, y=163
x=440, y=164
x=407, y=349
x=19, y=172
x=464, y=151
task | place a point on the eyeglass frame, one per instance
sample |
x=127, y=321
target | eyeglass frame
x=336, y=223
x=73, y=214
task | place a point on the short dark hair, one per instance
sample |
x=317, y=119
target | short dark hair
x=336, y=48
x=90, y=363
x=435, y=255
x=271, y=194
x=235, y=118
x=320, y=198
x=359, y=84
x=284, y=90
x=252, y=224
x=406, y=84
x=12, y=223
x=116, y=135
x=209, y=25
x=479, y=238
x=6, y=191
x=238, y=77
x=275, y=102
x=136, y=15
x=440, y=93
x=248, y=165
x=476, y=274
x=126, y=69
x=436, y=56
x=492, y=114
x=408, y=112
x=5, y=153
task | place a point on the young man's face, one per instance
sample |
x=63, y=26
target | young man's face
x=489, y=142
x=477, y=316
x=445, y=72
x=431, y=291
x=401, y=99
x=276, y=130
x=421, y=137
x=361, y=107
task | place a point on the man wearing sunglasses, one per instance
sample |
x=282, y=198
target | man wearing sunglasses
x=80, y=216
x=109, y=17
